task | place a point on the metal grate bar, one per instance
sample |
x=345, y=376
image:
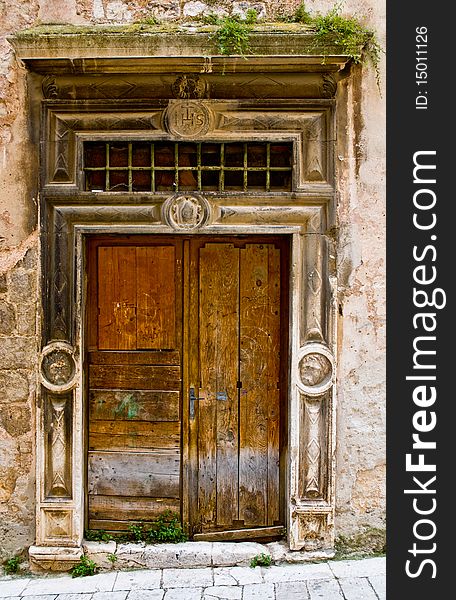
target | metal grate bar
x=177, y=166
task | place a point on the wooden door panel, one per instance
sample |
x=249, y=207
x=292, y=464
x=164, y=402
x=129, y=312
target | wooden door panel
x=259, y=374
x=157, y=357
x=156, y=319
x=134, y=405
x=218, y=404
x=232, y=341
x=146, y=474
x=239, y=398
x=135, y=378
x=125, y=509
x=117, y=298
x=133, y=435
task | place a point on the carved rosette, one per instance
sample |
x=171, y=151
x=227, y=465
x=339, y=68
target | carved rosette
x=186, y=211
x=58, y=369
x=315, y=369
x=188, y=86
x=187, y=118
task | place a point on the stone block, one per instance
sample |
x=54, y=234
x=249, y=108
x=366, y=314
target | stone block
x=146, y=595
x=324, y=589
x=138, y=580
x=22, y=284
x=52, y=558
x=307, y=572
x=3, y=283
x=30, y=257
x=7, y=318
x=357, y=588
x=130, y=556
x=223, y=592
x=259, y=591
x=292, y=590
x=378, y=582
x=241, y=8
x=14, y=386
x=16, y=419
x=26, y=319
x=12, y=587
x=99, y=551
x=118, y=12
x=232, y=553
x=183, y=594
x=195, y=9
x=166, y=9
x=358, y=568
x=182, y=578
x=237, y=576
x=18, y=353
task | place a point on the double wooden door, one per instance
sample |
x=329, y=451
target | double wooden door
x=186, y=381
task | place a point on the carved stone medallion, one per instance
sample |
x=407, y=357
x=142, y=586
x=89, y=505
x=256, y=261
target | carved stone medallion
x=315, y=369
x=189, y=86
x=187, y=118
x=58, y=367
x=186, y=211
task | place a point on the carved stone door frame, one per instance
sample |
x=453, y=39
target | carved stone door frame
x=80, y=107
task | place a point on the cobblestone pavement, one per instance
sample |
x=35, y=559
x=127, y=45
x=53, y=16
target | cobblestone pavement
x=331, y=580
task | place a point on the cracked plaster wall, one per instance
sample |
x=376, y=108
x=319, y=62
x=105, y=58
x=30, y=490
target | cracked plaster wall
x=360, y=163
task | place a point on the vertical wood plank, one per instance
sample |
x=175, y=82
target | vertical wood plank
x=116, y=298
x=218, y=406
x=273, y=396
x=259, y=374
x=156, y=302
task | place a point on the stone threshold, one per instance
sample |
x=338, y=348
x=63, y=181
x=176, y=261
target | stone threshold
x=188, y=555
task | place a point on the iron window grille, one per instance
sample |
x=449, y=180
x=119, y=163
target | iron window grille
x=146, y=166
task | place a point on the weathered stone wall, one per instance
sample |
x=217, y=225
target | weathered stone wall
x=361, y=243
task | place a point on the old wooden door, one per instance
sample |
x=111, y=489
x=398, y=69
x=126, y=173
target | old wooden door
x=186, y=382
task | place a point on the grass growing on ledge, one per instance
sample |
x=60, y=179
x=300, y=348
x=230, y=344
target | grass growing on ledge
x=354, y=39
x=233, y=33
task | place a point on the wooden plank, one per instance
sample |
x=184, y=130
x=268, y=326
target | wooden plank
x=134, y=377
x=131, y=435
x=156, y=297
x=273, y=374
x=121, y=508
x=257, y=329
x=155, y=357
x=92, y=298
x=241, y=534
x=226, y=272
x=112, y=526
x=133, y=405
x=218, y=367
x=116, y=298
x=154, y=474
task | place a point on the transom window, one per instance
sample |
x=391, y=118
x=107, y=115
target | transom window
x=146, y=166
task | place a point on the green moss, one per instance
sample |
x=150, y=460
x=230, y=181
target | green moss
x=370, y=541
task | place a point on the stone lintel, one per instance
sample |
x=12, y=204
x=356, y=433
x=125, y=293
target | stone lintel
x=141, y=49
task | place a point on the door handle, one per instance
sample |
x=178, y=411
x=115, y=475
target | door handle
x=192, y=402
